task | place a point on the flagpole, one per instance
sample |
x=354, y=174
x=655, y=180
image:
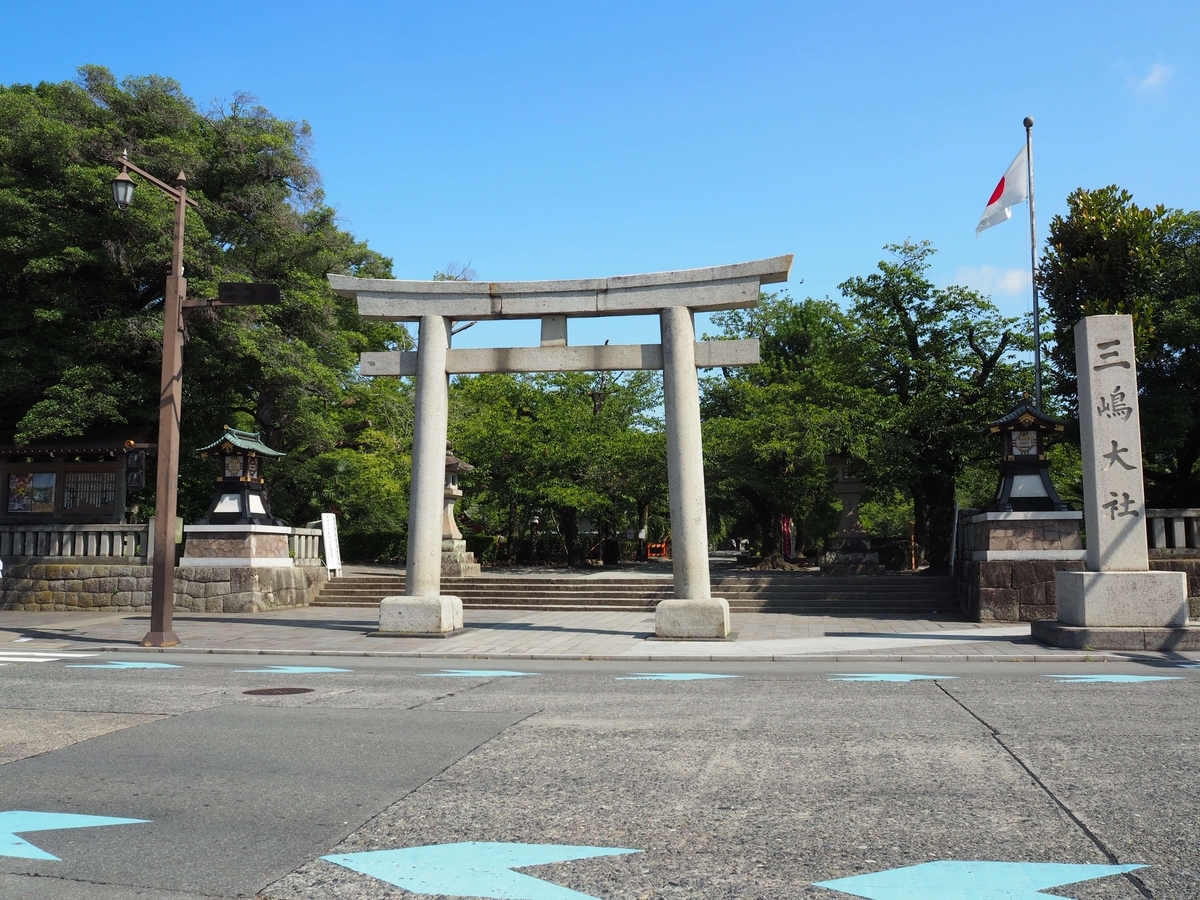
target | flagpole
x=1037, y=314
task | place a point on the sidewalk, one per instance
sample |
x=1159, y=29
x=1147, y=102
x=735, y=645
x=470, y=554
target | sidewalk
x=517, y=634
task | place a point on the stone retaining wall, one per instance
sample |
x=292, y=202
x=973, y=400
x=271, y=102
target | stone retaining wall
x=127, y=588
x=1009, y=590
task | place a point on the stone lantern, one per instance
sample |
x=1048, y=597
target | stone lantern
x=240, y=498
x=1011, y=550
x=238, y=529
x=456, y=559
x=1025, y=484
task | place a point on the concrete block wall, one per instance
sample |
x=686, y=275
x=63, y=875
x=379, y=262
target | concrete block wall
x=127, y=588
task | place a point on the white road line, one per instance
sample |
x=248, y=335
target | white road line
x=30, y=656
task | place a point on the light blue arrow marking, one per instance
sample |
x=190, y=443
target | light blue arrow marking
x=1112, y=679
x=952, y=880
x=475, y=673
x=16, y=821
x=116, y=664
x=473, y=868
x=671, y=676
x=879, y=677
x=295, y=670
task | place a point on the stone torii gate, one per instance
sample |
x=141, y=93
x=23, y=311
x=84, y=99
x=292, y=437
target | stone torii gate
x=673, y=296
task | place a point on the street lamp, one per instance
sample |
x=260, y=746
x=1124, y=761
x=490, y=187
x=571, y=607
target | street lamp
x=162, y=597
x=122, y=187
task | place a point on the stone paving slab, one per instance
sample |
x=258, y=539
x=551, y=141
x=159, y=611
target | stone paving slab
x=536, y=634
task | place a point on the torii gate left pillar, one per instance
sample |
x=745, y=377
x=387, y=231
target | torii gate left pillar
x=673, y=296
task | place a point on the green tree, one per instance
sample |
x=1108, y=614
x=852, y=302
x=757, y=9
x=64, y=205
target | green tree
x=1110, y=256
x=1105, y=257
x=561, y=446
x=81, y=283
x=938, y=365
x=768, y=428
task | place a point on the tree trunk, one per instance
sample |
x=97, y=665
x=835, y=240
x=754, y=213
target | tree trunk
x=769, y=525
x=512, y=545
x=610, y=549
x=643, y=511
x=568, y=523
x=935, y=523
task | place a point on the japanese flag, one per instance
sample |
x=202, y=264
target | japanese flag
x=1012, y=189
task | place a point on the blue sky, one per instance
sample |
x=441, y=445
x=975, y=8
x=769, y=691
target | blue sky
x=537, y=140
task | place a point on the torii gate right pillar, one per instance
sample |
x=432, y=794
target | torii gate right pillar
x=694, y=612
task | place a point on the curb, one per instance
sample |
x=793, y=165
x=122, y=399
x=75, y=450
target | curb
x=1079, y=656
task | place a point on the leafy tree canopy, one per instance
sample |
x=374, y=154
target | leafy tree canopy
x=1105, y=257
x=939, y=364
x=81, y=283
x=769, y=428
x=562, y=447
x=1109, y=256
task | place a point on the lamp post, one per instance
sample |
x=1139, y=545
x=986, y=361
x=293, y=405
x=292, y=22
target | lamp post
x=162, y=597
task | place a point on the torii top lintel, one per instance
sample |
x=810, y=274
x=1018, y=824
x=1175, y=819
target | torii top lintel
x=718, y=287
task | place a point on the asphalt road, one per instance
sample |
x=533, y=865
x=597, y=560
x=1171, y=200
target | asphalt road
x=755, y=786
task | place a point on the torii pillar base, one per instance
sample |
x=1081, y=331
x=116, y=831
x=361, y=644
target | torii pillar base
x=683, y=620
x=436, y=616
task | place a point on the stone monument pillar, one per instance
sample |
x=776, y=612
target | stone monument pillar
x=694, y=612
x=1117, y=603
x=423, y=609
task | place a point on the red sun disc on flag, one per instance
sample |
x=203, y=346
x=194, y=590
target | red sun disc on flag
x=996, y=193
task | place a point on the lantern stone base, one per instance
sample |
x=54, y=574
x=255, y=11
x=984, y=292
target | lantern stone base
x=1008, y=562
x=838, y=563
x=236, y=545
x=683, y=620
x=457, y=560
x=416, y=616
x=1022, y=535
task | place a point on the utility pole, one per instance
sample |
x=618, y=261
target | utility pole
x=170, y=397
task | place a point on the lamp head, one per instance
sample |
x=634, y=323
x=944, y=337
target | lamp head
x=122, y=188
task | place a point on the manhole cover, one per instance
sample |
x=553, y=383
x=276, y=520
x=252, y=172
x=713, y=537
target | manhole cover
x=277, y=692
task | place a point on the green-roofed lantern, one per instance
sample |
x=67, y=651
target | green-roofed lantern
x=241, y=497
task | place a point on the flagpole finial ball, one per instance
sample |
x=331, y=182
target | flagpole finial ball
x=1029, y=121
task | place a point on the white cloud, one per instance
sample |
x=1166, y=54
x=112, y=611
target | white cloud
x=990, y=280
x=1154, y=80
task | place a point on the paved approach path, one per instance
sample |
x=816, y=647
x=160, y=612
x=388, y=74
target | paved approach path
x=546, y=635
x=748, y=780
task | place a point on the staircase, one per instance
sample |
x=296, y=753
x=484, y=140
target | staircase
x=772, y=592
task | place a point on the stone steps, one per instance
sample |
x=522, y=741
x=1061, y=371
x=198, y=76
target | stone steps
x=783, y=592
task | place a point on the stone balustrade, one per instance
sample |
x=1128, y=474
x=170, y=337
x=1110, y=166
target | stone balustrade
x=74, y=567
x=115, y=544
x=1173, y=533
x=305, y=546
